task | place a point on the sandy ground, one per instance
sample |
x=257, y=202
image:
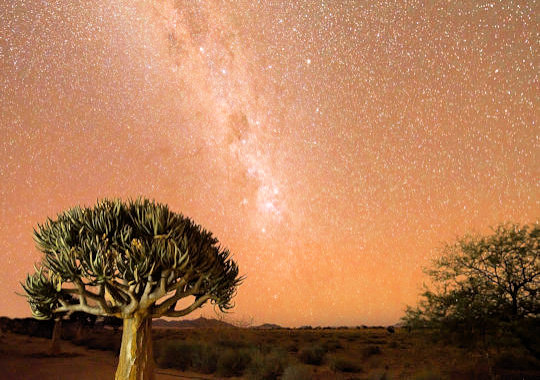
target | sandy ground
x=25, y=358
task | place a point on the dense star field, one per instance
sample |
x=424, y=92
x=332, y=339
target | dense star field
x=332, y=146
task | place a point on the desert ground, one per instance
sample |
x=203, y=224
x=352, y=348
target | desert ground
x=234, y=353
x=25, y=357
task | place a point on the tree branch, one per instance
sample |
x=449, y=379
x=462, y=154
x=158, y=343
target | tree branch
x=133, y=303
x=171, y=302
x=95, y=310
x=180, y=313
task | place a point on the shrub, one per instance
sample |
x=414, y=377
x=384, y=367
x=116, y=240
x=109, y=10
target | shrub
x=292, y=347
x=233, y=362
x=379, y=375
x=297, y=372
x=343, y=364
x=311, y=355
x=204, y=358
x=174, y=354
x=267, y=367
x=231, y=343
x=511, y=361
x=186, y=354
x=332, y=345
x=352, y=337
x=372, y=350
x=96, y=342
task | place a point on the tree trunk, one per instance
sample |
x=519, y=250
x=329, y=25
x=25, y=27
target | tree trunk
x=136, y=360
x=56, y=336
x=79, y=331
x=514, y=305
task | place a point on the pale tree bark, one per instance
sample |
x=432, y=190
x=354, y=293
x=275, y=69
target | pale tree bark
x=136, y=360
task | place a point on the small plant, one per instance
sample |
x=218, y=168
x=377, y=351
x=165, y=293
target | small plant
x=343, y=364
x=292, y=347
x=332, y=345
x=512, y=361
x=311, y=355
x=297, y=372
x=174, y=354
x=267, y=366
x=371, y=351
x=204, y=358
x=379, y=375
x=233, y=362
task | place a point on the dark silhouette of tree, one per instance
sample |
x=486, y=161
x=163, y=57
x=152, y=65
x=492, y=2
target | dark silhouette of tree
x=113, y=322
x=132, y=260
x=483, y=283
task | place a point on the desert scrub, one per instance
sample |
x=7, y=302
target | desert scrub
x=297, y=372
x=352, y=337
x=372, y=350
x=185, y=355
x=233, y=362
x=332, y=345
x=292, y=347
x=95, y=342
x=379, y=374
x=267, y=366
x=204, y=358
x=515, y=361
x=344, y=364
x=173, y=354
x=311, y=355
x=428, y=374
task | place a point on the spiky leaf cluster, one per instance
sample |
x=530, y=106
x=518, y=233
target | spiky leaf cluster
x=119, y=257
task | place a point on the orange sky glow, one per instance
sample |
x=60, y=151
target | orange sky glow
x=332, y=146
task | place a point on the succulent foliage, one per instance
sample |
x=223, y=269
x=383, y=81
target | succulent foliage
x=118, y=258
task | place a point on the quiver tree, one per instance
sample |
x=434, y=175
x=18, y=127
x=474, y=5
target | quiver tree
x=133, y=260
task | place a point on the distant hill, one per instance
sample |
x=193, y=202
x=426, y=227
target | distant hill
x=192, y=323
x=268, y=326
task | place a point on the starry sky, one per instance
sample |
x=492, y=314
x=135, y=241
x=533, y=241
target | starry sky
x=333, y=146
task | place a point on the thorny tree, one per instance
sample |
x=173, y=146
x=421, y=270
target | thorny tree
x=133, y=260
x=484, y=282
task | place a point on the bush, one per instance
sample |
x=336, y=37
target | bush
x=103, y=343
x=379, y=375
x=292, y=347
x=332, y=345
x=174, y=354
x=267, y=367
x=297, y=372
x=311, y=355
x=186, y=354
x=231, y=343
x=511, y=361
x=343, y=364
x=233, y=362
x=204, y=358
x=372, y=350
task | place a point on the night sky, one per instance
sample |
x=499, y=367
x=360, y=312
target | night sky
x=332, y=146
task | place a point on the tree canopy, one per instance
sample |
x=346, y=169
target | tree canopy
x=118, y=258
x=483, y=282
